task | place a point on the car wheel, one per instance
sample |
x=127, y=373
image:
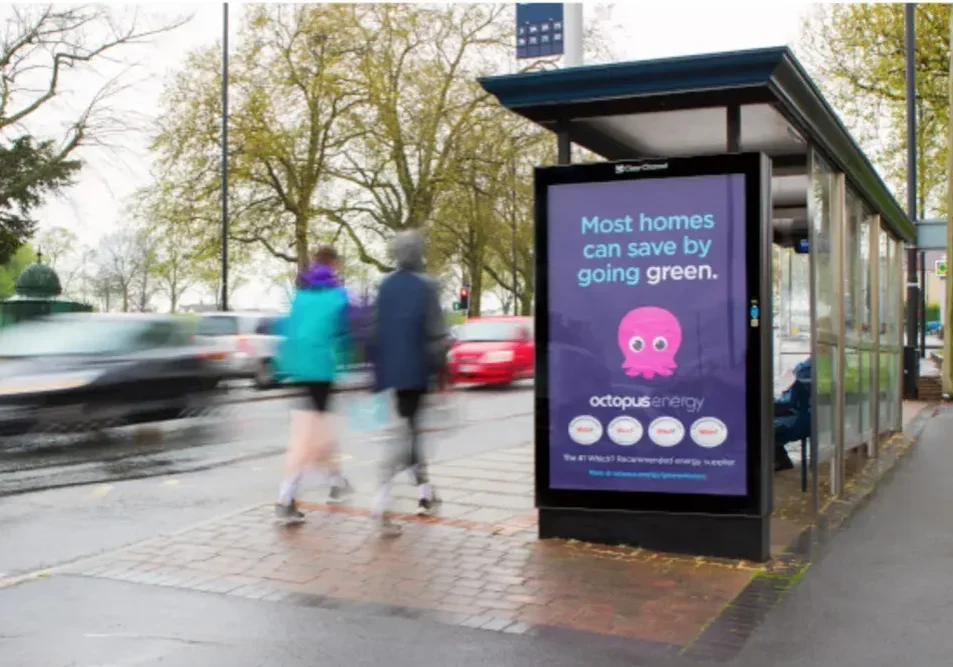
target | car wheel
x=265, y=376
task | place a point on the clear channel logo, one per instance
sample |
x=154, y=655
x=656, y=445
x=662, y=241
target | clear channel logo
x=709, y=432
x=625, y=431
x=585, y=430
x=666, y=431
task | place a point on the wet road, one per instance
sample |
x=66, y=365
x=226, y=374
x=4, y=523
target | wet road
x=240, y=430
x=62, y=498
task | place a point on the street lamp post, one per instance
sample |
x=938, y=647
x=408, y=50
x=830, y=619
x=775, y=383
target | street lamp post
x=514, y=218
x=911, y=362
x=224, y=298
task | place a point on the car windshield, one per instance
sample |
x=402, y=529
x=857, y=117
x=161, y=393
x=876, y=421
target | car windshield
x=218, y=325
x=70, y=336
x=488, y=330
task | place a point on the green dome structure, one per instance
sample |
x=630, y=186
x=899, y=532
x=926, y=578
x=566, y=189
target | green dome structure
x=38, y=281
x=35, y=294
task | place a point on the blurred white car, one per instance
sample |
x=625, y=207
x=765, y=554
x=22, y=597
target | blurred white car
x=249, y=341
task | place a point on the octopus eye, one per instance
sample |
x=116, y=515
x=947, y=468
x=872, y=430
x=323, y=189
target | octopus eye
x=660, y=343
x=636, y=344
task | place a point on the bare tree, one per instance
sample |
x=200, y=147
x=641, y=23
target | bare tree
x=125, y=259
x=41, y=43
x=66, y=254
x=41, y=47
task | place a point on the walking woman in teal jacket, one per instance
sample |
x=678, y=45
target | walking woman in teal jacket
x=315, y=341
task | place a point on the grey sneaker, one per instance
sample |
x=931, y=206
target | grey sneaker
x=289, y=513
x=340, y=492
x=387, y=528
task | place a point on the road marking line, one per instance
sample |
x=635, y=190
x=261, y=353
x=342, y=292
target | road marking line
x=101, y=491
x=170, y=482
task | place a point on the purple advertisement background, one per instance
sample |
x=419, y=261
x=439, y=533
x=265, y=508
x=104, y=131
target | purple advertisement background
x=585, y=352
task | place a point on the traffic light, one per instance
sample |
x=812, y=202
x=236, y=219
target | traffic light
x=464, y=300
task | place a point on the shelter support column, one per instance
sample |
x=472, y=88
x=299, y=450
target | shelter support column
x=563, y=145
x=733, y=138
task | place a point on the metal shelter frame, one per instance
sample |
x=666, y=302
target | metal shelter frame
x=759, y=100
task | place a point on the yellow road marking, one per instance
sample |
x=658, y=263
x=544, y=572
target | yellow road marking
x=170, y=482
x=101, y=491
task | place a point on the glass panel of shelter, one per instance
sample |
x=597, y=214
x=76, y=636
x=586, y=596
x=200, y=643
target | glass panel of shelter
x=825, y=204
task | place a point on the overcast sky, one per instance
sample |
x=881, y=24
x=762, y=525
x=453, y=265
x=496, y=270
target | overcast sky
x=643, y=30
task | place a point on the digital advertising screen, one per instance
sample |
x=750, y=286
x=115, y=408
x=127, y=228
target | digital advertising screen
x=649, y=314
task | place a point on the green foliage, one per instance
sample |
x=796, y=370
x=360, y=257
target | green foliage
x=352, y=122
x=421, y=102
x=29, y=171
x=857, y=52
x=12, y=268
x=485, y=222
x=343, y=121
x=932, y=312
x=455, y=318
x=289, y=90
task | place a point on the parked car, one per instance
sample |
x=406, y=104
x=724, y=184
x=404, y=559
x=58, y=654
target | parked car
x=79, y=371
x=249, y=342
x=492, y=350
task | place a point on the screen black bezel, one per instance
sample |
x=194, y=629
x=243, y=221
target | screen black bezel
x=755, y=167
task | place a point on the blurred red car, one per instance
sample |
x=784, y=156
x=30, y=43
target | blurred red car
x=492, y=350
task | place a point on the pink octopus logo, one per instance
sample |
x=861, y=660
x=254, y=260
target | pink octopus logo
x=649, y=338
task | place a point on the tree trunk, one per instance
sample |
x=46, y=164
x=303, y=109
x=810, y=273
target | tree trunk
x=526, y=302
x=476, y=285
x=301, y=241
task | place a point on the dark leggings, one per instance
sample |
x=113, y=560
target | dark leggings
x=408, y=454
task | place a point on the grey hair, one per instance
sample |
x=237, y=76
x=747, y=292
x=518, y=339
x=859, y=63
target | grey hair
x=408, y=250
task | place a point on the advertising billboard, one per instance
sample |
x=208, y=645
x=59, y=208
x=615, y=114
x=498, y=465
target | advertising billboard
x=652, y=322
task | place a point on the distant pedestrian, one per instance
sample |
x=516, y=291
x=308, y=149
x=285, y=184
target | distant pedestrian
x=409, y=348
x=316, y=336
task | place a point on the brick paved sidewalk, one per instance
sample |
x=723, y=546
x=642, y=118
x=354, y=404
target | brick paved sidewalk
x=478, y=564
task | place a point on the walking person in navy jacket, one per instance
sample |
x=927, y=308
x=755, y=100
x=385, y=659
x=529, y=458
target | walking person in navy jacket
x=409, y=346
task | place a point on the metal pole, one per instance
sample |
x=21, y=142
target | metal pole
x=923, y=305
x=572, y=34
x=515, y=215
x=947, y=375
x=912, y=368
x=224, y=300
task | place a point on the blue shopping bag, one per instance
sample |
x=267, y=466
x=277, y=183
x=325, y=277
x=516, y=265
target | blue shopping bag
x=369, y=413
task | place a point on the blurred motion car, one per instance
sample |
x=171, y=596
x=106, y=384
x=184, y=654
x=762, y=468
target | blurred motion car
x=492, y=350
x=77, y=372
x=248, y=341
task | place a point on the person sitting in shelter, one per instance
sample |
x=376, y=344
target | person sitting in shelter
x=792, y=415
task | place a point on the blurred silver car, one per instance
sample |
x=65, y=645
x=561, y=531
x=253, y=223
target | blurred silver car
x=248, y=341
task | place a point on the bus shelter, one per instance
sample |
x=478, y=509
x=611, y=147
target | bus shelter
x=807, y=245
